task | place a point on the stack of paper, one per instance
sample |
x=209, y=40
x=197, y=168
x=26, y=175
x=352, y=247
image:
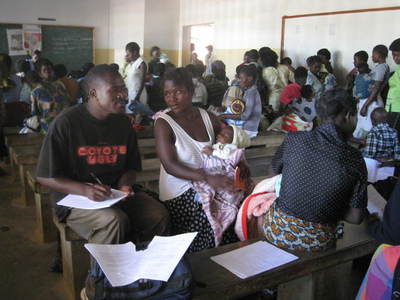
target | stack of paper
x=82, y=202
x=253, y=259
x=376, y=203
x=122, y=264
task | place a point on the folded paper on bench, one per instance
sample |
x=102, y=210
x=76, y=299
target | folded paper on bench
x=253, y=259
x=122, y=264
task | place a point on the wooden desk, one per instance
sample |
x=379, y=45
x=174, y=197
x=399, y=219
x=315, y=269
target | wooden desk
x=222, y=284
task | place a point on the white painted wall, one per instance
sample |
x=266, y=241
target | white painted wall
x=238, y=24
x=341, y=36
x=162, y=24
x=126, y=25
x=93, y=13
x=254, y=23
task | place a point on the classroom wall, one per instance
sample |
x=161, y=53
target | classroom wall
x=93, y=13
x=242, y=25
x=126, y=25
x=239, y=25
x=162, y=27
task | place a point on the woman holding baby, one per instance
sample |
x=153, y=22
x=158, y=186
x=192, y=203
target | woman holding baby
x=182, y=133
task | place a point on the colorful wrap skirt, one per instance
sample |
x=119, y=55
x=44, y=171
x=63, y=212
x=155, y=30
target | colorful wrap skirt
x=291, y=233
x=378, y=282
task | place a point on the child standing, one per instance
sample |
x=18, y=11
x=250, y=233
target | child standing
x=363, y=86
x=380, y=75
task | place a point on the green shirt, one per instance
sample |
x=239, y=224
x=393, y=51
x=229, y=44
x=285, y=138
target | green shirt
x=393, y=98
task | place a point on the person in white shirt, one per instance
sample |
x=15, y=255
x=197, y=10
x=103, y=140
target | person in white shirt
x=200, y=95
x=134, y=74
x=209, y=59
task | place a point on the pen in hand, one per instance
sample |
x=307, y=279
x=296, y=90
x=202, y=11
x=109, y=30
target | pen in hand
x=96, y=178
x=104, y=190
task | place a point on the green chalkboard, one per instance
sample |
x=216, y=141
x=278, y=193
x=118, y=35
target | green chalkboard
x=72, y=46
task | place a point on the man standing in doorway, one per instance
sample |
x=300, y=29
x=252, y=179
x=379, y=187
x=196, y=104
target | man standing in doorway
x=210, y=58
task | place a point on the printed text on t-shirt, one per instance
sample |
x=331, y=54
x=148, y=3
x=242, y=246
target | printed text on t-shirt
x=102, y=154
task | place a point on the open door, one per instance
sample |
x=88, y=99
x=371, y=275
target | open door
x=195, y=39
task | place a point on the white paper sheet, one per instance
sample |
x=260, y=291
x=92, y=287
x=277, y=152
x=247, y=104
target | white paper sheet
x=122, y=264
x=375, y=173
x=253, y=259
x=82, y=202
x=376, y=203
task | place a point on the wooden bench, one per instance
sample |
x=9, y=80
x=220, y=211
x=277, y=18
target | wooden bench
x=268, y=139
x=75, y=260
x=45, y=231
x=21, y=157
x=300, y=279
x=20, y=140
x=11, y=130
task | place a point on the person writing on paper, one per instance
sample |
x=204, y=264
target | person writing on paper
x=324, y=180
x=95, y=139
x=181, y=134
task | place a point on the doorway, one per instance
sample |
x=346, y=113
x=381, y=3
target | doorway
x=195, y=40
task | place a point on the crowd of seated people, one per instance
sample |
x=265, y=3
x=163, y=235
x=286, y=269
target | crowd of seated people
x=322, y=178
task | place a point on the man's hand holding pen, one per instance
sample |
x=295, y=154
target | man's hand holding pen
x=97, y=191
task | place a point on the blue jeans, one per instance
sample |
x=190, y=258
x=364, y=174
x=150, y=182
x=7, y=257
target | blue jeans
x=139, y=108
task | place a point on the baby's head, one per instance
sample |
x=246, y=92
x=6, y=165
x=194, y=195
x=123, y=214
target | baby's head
x=363, y=68
x=234, y=135
x=225, y=136
x=378, y=115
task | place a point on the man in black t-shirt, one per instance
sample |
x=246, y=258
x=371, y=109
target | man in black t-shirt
x=96, y=138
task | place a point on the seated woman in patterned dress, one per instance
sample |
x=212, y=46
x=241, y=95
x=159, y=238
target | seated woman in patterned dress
x=181, y=134
x=49, y=97
x=324, y=180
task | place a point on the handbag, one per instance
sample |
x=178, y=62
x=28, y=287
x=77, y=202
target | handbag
x=178, y=287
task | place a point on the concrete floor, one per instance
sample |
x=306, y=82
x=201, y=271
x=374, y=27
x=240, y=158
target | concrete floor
x=25, y=264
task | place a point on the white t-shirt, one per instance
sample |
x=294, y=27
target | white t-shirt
x=200, y=92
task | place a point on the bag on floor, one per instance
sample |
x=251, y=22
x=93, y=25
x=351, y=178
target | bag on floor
x=178, y=287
